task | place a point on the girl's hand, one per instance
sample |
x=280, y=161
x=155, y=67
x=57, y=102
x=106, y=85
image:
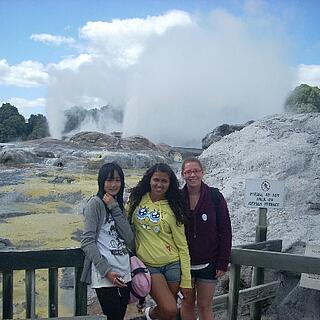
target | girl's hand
x=108, y=198
x=220, y=273
x=116, y=279
x=186, y=292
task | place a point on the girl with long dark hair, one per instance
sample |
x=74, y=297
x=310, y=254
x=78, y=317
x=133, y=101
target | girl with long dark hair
x=156, y=209
x=105, y=241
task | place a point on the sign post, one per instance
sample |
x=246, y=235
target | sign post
x=262, y=194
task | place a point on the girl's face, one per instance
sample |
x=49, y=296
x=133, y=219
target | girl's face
x=192, y=174
x=159, y=184
x=113, y=185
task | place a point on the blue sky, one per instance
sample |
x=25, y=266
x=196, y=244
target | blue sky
x=61, y=53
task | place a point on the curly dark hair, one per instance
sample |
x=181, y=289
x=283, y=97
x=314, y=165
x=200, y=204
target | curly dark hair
x=173, y=195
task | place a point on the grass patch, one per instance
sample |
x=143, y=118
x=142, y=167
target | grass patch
x=46, y=228
x=42, y=231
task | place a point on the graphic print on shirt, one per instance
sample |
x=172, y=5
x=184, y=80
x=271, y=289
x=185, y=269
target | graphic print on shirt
x=149, y=219
x=116, y=244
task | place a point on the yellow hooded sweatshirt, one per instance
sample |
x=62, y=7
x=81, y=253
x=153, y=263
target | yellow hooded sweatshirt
x=159, y=240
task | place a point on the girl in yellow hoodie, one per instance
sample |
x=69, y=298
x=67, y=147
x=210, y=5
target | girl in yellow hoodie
x=156, y=209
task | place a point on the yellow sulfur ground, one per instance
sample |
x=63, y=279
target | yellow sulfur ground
x=47, y=228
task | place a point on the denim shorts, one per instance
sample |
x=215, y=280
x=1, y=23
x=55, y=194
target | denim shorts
x=207, y=274
x=171, y=271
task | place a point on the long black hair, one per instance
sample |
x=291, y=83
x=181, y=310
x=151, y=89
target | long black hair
x=107, y=172
x=173, y=194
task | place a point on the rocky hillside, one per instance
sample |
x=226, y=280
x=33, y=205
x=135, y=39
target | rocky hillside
x=279, y=147
x=86, y=150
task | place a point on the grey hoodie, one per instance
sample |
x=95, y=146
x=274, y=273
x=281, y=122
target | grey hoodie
x=95, y=214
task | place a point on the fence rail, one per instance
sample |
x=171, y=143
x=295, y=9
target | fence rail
x=262, y=254
x=257, y=255
x=31, y=260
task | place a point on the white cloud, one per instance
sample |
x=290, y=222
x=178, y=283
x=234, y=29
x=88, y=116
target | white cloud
x=25, y=103
x=72, y=63
x=25, y=74
x=309, y=74
x=123, y=41
x=51, y=39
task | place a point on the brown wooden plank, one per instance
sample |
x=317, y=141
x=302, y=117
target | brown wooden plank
x=30, y=294
x=258, y=293
x=247, y=296
x=80, y=292
x=234, y=287
x=258, y=273
x=41, y=259
x=275, y=260
x=221, y=302
x=269, y=245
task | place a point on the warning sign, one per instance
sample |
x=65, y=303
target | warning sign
x=311, y=281
x=264, y=193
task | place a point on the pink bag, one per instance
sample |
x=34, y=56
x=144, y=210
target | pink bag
x=140, y=280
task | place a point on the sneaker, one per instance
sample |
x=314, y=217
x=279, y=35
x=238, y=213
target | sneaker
x=146, y=312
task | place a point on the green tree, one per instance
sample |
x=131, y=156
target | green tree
x=7, y=110
x=12, y=124
x=37, y=127
x=303, y=99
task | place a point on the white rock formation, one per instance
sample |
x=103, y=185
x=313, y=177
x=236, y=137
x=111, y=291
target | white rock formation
x=280, y=147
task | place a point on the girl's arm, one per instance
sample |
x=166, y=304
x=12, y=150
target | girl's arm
x=92, y=212
x=225, y=236
x=180, y=241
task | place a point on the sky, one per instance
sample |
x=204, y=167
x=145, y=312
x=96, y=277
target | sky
x=176, y=69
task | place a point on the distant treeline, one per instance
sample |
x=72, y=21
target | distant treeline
x=303, y=99
x=13, y=126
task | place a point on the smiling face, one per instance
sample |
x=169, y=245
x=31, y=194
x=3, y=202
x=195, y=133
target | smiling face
x=112, y=184
x=159, y=184
x=192, y=174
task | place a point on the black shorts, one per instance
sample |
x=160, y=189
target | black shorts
x=207, y=274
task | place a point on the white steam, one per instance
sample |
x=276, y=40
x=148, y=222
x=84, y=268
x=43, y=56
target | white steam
x=178, y=84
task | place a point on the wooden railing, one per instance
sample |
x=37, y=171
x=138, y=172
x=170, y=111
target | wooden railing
x=41, y=259
x=261, y=255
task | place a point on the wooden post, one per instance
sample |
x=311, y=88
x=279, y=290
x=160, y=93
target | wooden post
x=261, y=228
x=80, y=291
x=7, y=294
x=258, y=273
x=234, y=286
x=30, y=294
x=53, y=293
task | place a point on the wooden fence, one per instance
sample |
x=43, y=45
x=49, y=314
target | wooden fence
x=41, y=259
x=261, y=255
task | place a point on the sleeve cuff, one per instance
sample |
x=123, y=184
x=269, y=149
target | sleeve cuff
x=222, y=265
x=112, y=205
x=185, y=283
